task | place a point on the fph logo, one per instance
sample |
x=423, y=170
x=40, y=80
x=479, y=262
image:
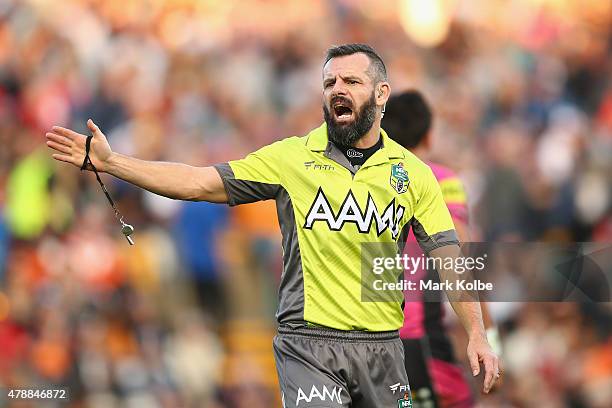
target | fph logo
x=317, y=166
x=399, y=387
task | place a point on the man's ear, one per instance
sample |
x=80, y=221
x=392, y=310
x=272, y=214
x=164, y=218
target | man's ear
x=383, y=90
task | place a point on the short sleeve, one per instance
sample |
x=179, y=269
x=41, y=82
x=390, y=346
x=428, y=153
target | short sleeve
x=432, y=224
x=254, y=178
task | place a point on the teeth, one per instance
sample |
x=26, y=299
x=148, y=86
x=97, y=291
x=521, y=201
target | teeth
x=342, y=109
x=341, y=104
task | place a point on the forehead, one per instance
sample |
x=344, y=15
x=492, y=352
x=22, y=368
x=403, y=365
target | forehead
x=354, y=64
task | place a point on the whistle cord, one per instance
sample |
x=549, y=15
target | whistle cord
x=87, y=161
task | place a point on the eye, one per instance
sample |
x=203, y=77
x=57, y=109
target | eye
x=351, y=81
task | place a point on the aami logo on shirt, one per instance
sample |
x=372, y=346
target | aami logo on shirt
x=350, y=211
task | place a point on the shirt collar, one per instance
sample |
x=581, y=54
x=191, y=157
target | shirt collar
x=317, y=141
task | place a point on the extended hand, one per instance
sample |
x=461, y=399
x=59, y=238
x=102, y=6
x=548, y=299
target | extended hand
x=479, y=351
x=71, y=146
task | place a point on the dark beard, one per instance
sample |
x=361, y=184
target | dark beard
x=347, y=135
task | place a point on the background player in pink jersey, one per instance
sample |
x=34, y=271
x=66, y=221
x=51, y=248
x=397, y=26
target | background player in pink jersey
x=435, y=377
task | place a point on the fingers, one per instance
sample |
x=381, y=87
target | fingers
x=473, y=359
x=68, y=144
x=59, y=139
x=62, y=157
x=496, y=371
x=59, y=147
x=70, y=134
x=490, y=373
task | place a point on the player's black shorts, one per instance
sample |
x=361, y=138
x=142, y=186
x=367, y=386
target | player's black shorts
x=326, y=368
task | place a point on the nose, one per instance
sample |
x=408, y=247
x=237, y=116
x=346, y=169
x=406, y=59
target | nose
x=339, y=88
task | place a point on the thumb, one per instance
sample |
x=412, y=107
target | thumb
x=473, y=358
x=95, y=130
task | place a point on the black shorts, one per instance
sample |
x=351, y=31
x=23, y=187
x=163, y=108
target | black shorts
x=326, y=368
x=417, y=355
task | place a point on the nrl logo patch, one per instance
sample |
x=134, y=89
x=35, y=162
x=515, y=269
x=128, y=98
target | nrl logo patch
x=405, y=402
x=399, y=178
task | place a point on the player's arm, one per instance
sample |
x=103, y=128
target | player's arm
x=457, y=205
x=464, y=236
x=173, y=180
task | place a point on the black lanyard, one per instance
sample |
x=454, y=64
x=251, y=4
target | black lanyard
x=126, y=229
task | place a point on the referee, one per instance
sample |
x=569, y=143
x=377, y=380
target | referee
x=344, y=183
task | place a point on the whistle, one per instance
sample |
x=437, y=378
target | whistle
x=128, y=230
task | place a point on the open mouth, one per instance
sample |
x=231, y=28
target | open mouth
x=342, y=111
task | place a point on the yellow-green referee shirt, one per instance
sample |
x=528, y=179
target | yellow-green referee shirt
x=326, y=210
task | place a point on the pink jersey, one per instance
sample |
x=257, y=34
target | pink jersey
x=452, y=191
x=454, y=195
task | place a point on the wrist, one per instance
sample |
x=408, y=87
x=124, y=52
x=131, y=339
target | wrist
x=110, y=163
x=477, y=334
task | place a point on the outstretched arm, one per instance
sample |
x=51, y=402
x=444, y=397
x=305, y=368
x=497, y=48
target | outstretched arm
x=173, y=180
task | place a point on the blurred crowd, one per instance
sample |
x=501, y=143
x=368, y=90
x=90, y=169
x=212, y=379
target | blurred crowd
x=522, y=94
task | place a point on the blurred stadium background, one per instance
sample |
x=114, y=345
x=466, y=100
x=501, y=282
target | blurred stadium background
x=522, y=91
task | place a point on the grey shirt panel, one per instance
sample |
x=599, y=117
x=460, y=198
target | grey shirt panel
x=332, y=152
x=244, y=191
x=291, y=290
x=431, y=242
